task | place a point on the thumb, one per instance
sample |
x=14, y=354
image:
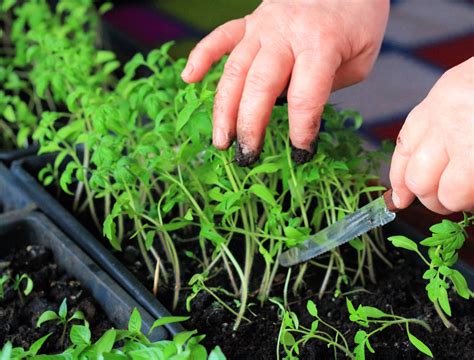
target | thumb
x=402, y=197
x=407, y=142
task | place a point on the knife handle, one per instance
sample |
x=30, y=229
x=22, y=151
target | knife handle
x=387, y=197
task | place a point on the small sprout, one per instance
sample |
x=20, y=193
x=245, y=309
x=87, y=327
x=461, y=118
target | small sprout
x=28, y=286
x=61, y=318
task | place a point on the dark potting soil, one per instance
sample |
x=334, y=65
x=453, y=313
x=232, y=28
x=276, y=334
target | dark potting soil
x=400, y=291
x=18, y=318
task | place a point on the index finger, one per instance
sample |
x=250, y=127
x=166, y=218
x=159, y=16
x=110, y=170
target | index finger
x=214, y=46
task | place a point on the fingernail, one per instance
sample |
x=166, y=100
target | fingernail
x=302, y=156
x=187, y=70
x=219, y=138
x=244, y=156
x=396, y=199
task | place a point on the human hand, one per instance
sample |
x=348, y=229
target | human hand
x=320, y=45
x=434, y=156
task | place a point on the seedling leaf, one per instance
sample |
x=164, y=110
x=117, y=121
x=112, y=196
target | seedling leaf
x=312, y=308
x=263, y=193
x=36, y=346
x=135, y=322
x=63, y=309
x=419, y=344
x=29, y=284
x=288, y=339
x=6, y=352
x=444, y=300
x=46, y=316
x=460, y=284
x=217, y=354
x=168, y=320
x=106, y=342
x=404, y=243
x=269, y=168
x=80, y=335
x=78, y=315
x=372, y=312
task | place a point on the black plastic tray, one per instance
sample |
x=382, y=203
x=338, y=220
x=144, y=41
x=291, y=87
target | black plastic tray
x=82, y=237
x=11, y=196
x=8, y=156
x=34, y=228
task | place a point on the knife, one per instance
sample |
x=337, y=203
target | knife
x=376, y=213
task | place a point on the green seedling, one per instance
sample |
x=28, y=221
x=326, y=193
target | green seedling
x=293, y=335
x=130, y=343
x=375, y=321
x=17, y=281
x=443, y=247
x=40, y=65
x=197, y=284
x=61, y=318
x=16, y=285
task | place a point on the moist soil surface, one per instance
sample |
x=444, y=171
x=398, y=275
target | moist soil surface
x=18, y=317
x=400, y=290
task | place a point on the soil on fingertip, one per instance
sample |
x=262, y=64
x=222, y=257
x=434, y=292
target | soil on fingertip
x=302, y=156
x=18, y=317
x=245, y=159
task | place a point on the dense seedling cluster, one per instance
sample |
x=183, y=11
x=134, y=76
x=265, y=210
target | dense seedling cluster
x=137, y=147
x=44, y=55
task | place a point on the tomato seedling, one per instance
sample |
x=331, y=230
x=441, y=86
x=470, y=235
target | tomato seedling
x=61, y=318
x=443, y=246
x=293, y=335
x=368, y=316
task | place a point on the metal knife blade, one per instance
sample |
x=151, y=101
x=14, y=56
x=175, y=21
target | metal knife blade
x=376, y=213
